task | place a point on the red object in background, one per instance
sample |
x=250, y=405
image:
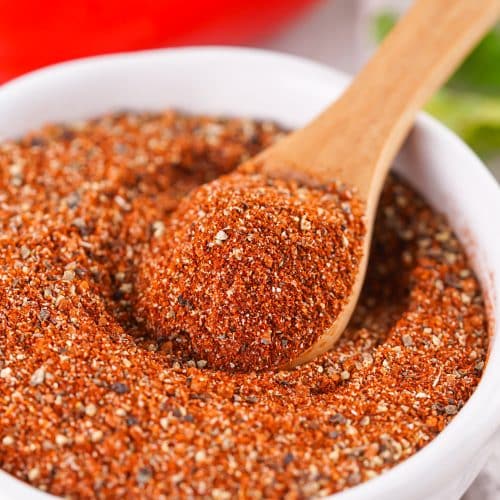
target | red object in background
x=34, y=33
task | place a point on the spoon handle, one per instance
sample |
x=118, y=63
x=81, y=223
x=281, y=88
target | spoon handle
x=358, y=136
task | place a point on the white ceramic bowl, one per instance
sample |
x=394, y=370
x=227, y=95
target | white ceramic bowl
x=291, y=90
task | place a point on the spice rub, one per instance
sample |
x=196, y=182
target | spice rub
x=252, y=269
x=92, y=406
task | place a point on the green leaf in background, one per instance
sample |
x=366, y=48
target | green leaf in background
x=383, y=23
x=470, y=102
x=480, y=72
x=473, y=116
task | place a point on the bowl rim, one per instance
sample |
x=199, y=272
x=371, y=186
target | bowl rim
x=480, y=407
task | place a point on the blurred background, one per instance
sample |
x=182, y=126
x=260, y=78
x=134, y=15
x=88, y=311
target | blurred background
x=340, y=33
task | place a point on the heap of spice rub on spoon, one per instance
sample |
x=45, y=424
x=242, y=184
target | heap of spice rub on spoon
x=263, y=267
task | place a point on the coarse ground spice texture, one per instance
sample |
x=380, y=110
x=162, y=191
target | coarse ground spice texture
x=93, y=406
x=251, y=269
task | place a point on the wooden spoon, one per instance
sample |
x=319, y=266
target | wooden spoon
x=356, y=139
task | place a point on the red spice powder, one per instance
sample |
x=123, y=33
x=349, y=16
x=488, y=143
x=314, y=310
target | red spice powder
x=91, y=407
x=251, y=269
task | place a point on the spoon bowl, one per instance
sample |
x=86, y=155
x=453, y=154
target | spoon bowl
x=354, y=142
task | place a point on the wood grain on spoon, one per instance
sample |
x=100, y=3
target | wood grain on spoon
x=356, y=139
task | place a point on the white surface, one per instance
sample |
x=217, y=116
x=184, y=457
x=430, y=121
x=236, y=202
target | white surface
x=333, y=33
x=292, y=90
